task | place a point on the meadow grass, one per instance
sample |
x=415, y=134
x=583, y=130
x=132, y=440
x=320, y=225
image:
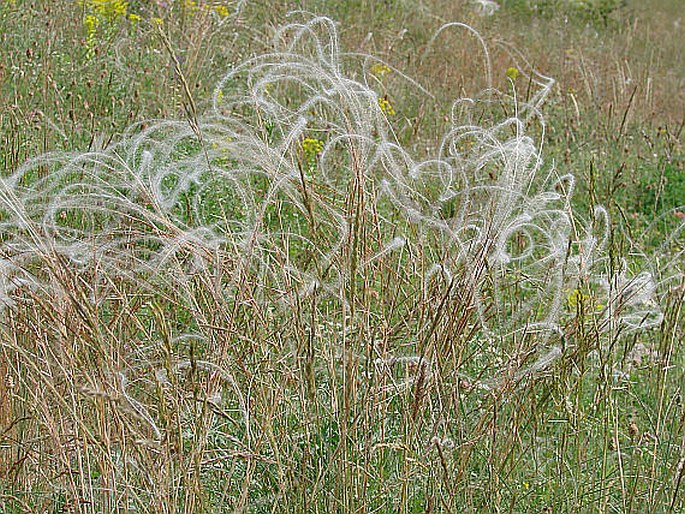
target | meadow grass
x=408, y=257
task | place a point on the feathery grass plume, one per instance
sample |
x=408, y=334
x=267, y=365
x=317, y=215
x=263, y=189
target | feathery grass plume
x=485, y=7
x=153, y=206
x=217, y=285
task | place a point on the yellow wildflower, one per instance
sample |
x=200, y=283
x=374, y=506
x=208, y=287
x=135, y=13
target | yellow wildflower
x=108, y=10
x=191, y=6
x=386, y=106
x=222, y=11
x=311, y=146
x=576, y=297
x=512, y=73
x=380, y=69
x=91, y=23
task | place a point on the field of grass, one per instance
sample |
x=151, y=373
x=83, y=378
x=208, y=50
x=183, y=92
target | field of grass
x=396, y=256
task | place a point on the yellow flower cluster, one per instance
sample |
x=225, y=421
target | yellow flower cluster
x=386, y=106
x=108, y=10
x=380, y=69
x=91, y=23
x=578, y=297
x=222, y=11
x=311, y=146
x=99, y=12
x=512, y=73
x=218, y=8
x=190, y=7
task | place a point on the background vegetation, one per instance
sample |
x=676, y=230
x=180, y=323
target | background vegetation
x=361, y=354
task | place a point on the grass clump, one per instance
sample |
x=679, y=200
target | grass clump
x=281, y=307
